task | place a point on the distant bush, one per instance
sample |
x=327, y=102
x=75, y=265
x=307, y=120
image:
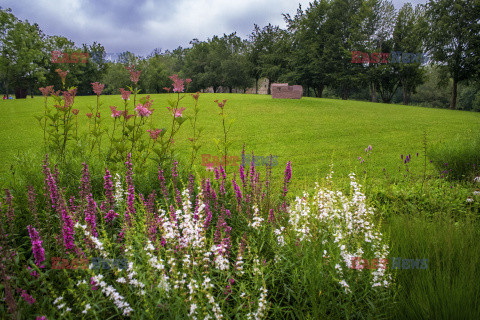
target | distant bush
x=458, y=158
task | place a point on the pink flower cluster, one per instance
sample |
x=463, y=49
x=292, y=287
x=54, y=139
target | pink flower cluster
x=69, y=97
x=46, y=91
x=116, y=113
x=178, y=83
x=97, y=88
x=154, y=133
x=134, y=75
x=62, y=74
x=143, y=111
x=125, y=94
x=221, y=104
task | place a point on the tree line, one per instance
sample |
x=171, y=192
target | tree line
x=331, y=48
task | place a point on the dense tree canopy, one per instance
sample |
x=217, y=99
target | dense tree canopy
x=360, y=47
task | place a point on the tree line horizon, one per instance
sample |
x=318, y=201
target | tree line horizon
x=315, y=50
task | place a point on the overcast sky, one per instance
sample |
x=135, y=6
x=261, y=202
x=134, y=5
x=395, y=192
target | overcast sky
x=143, y=25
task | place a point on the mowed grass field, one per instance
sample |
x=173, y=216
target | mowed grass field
x=314, y=133
x=311, y=132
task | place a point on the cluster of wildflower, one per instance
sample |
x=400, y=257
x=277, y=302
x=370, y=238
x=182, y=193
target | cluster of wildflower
x=98, y=244
x=348, y=223
x=262, y=306
x=257, y=219
x=38, y=251
x=368, y=151
x=111, y=293
x=62, y=305
x=189, y=252
x=119, y=192
x=26, y=296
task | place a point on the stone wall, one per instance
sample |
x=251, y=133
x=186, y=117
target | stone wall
x=284, y=91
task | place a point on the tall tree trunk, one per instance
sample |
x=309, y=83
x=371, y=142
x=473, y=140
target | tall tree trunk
x=320, y=90
x=268, y=89
x=230, y=88
x=406, y=95
x=453, y=102
x=6, y=88
x=345, y=93
x=373, y=88
x=256, y=85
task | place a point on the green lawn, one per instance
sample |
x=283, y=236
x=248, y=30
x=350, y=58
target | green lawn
x=311, y=132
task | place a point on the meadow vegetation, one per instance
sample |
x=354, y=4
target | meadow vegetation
x=246, y=242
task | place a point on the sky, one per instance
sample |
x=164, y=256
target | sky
x=141, y=26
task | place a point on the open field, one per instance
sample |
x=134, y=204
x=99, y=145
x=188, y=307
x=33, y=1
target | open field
x=419, y=220
x=312, y=133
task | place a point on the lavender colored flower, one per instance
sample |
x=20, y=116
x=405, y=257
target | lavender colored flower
x=32, y=206
x=223, y=173
x=73, y=207
x=108, y=186
x=85, y=184
x=27, y=297
x=163, y=187
x=38, y=251
x=90, y=214
x=68, y=230
x=150, y=203
x=242, y=176
x=287, y=177
x=208, y=217
x=110, y=215
x=271, y=216
x=52, y=186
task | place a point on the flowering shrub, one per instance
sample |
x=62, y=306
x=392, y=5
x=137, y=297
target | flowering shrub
x=215, y=251
x=132, y=132
x=344, y=225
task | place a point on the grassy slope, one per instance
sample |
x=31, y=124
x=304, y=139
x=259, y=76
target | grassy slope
x=312, y=133
x=309, y=132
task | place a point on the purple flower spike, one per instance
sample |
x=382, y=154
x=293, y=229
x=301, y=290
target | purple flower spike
x=38, y=251
x=109, y=189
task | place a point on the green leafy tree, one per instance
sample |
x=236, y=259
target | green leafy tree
x=379, y=26
x=155, y=74
x=453, y=36
x=21, y=52
x=274, y=47
x=308, y=66
x=345, y=32
x=408, y=37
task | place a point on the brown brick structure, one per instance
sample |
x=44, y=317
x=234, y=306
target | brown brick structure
x=284, y=91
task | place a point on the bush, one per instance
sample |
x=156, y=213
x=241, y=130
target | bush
x=103, y=250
